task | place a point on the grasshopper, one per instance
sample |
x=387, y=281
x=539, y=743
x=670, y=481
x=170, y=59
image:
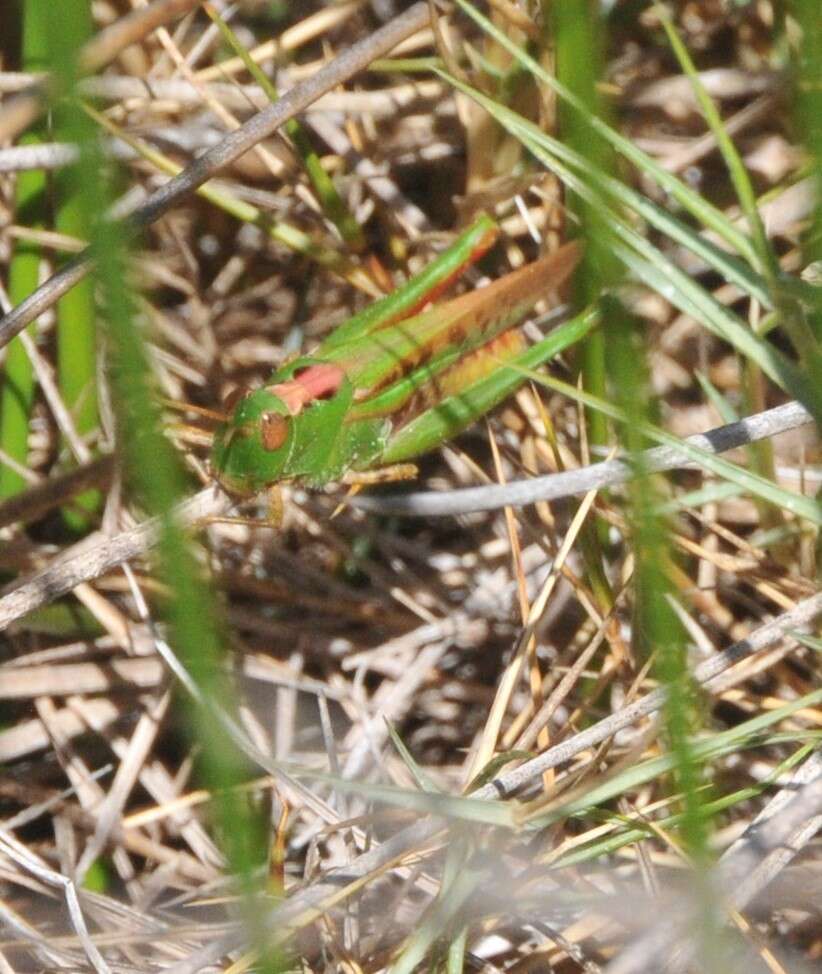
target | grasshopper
x=394, y=382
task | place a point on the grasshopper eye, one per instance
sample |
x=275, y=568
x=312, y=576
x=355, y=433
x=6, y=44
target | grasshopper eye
x=273, y=431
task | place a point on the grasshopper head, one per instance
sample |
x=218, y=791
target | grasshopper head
x=285, y=429
x=251, y=450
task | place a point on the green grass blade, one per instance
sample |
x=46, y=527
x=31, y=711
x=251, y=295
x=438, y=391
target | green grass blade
x=696, y=205
x=807, y=381
x=560, y=158
x=76, y=205
x=464, y=874
x=18, y=385
x=736, y=168
x=668, y=279
x=578, y=47
x=748, y=733
x=791, y=314
x=423, y=781
x=751, y=483
x=155, y=480
x=153, y=475
x=578, y=66
x=657, y=632
x=635, y=829
x=459, y=808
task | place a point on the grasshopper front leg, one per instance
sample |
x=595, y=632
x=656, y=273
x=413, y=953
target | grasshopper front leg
x=357, y=479
x=381, y=475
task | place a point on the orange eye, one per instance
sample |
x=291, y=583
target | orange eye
x=273, y=430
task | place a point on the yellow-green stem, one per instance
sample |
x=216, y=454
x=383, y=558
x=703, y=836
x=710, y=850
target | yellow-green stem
x=577, y=63
x=18, y=385
x=77, y=207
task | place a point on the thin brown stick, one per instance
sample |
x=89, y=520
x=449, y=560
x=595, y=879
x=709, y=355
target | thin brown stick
x=40, y=498
x=97, y=554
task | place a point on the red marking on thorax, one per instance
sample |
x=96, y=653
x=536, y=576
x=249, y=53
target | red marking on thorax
x=315, y=382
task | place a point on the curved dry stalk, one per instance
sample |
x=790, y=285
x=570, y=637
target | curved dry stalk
x=52, y=492
x=596, y=476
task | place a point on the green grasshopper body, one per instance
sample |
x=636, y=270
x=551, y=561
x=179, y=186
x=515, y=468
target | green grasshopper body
x=392, y=383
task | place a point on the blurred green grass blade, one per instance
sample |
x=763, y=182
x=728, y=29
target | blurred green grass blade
x=423, y=781
x=653, y=268
x=153, y=473
x=712, y=493
x=808, y=115
x=156, y=479
x=65, y=620
x=463, y=876
x=99, y=878
x=730, y=267
x=775, y=537
x=706, y=750
x=669, y=280
x=76, y=206
x=425, y=802
x=706, y=214
x=329, y=199
x=808, y=109
x=726, y=412
x=810, y=641
x=575, y=35
x=18, y=384
x=792, y=316
x=657, y=631
x=635, y=830
x=455, y=962
x=578, y=58
x=400, y=65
